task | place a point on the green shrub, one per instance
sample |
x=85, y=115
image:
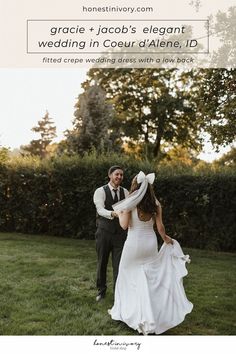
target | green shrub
x=56, y=197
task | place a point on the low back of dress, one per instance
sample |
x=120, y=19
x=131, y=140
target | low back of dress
x=141, y=240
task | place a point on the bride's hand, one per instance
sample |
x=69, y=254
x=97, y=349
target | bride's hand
x=117, y=213
x=168, y=239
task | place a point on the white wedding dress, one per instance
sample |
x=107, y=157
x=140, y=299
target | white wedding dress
x=149, y=293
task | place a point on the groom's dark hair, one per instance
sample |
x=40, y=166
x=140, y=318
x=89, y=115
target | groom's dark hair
x=113, y=168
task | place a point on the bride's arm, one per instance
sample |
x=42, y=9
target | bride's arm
x=161, y=227
x=124, y=218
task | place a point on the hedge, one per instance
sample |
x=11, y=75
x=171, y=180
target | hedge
x=56, y=198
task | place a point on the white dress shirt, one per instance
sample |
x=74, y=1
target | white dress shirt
x=99, y=200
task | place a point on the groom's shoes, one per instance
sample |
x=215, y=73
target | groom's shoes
x=99, y=297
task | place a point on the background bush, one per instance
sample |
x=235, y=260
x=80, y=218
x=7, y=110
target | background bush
x=56, y=197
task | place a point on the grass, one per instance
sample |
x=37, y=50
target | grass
x=47, y=287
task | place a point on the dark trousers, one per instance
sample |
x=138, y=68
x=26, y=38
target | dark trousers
x=107, y=243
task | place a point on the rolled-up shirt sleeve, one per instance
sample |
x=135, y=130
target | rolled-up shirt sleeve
x=126, y=192
x=99, y=201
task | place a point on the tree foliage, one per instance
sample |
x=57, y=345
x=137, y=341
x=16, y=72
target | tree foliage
x=92, y=125
x=153, y=106
x=4, y=154
x=156, y=107
x=228, y=159
x=179, y=156
x=47, y=130
x=216, y=99
x=223, y=27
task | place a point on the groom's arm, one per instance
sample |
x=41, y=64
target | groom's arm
x=99, y=201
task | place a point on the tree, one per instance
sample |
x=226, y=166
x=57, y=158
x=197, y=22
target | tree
x=196, y=4
x=216, y=102
x=153, y=106
x=156, y=107
x=4, y=154
x=47, y=131
x=92, y=125
x=228, y=159
x=223, y=27
x=179, y=156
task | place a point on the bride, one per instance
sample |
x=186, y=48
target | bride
x=149, y=293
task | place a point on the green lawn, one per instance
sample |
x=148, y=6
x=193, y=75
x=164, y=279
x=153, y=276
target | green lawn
x=47, y=287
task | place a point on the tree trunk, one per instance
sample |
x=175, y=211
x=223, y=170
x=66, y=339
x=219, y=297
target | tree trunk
x=160, y=132
x=156, y=148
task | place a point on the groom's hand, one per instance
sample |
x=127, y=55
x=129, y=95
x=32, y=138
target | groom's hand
x=114, y=215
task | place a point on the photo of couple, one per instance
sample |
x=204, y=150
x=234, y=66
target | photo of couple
x=117, y=176
x=149, y=293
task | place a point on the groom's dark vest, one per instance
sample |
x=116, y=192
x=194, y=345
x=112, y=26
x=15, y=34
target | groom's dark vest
x=111, y=225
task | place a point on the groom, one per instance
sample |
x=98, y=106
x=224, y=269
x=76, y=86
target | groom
x=110, y=237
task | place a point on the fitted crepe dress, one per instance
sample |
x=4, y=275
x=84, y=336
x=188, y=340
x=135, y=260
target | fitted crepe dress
x=149, y=292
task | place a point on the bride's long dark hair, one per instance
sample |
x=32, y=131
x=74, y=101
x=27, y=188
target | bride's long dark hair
x=148, y=203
